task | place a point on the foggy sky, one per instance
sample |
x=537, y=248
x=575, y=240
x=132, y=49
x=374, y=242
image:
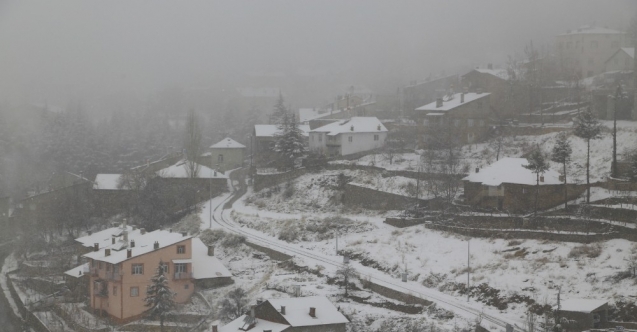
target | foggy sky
x=54, y=50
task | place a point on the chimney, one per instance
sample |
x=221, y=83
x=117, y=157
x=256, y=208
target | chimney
x=490, y=66
x=215, y=174
x=134, y=227
x=96, y=246
x=112, y=240
x=129, y=253
x=462, y=98
x=282, y=310
x=438, y=102
x=107, y=252
x=477, y=169
x=132, y=243
x=313, y=312
x=465, y=89
x=259, y=301
x=184, y=233
x=214, y=328
x=542, y=178
x=142, y=231
x=211, y=250
x=156, y=245
x=378, y=127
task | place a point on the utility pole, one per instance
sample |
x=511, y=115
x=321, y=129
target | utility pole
x=468, y=265
x=618, y=94
x=336, y=234
x=210, y=203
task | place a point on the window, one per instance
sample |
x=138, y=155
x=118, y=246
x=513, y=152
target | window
x=470, y=122
x=137, y=268
x=349, y=139
x=320, y=136
x=524, y=190
x=114, y=290
x=134, y=291
x=181, y=249
x=376, y=137
x=181, y=267
x=220, y=158
x=594, y=44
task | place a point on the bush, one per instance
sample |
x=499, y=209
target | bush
x=190, y=223
x=590, y=251
x=289, y=234
x=221, y=237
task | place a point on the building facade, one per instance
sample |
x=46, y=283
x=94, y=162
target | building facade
x=350, y=136
x=622, y=60
x=227, y=154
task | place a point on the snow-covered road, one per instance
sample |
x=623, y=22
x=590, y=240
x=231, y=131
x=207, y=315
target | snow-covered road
x=215, y=216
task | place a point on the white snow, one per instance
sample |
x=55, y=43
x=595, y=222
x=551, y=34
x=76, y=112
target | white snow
x=204, y=266
x=353, y=125
x=180, y=170
x=448, y=105
x=307, y=114
x=227, y=143
x=511, y=170
x=107, y=182
x=261, y=325
x=104, y=237
x=297, y=311
x=497, y=72
x=581, y=305
x=78, y=271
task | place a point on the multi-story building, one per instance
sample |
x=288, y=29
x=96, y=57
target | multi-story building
x=583, y=51
x=349, y=136
x=419, y=93
x=467, y=115
x=120, y=271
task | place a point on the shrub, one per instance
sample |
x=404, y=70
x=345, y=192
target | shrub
x=289, y=234
x=590, y=251
x=221, y=237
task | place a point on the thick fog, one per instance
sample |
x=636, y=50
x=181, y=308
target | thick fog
x=55, y=51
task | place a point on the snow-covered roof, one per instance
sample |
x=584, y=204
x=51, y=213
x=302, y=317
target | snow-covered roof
x=589, y=29
x=630, y=51
x=104, y=237
x=78, y=271
x=179, y=170
x=581, y=305
x=227, y=143
x=449, y=104
x=261, y=325
x=297, y=311
x=270, y=130
x=353, y=125
x=497, y=72
x=143, y=245
x=511, y=170
x=204, y=266
x=307, y=114
x=107, y=182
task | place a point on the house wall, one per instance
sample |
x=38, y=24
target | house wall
x=121, y=305
x=318, y=143
x=318, y=328
x=361, y=142
x=232, y=158
x=582, y=321
x=619, y=61
x=517, y=197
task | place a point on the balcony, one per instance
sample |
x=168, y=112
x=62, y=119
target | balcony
x=113, y=276
x=183, y=275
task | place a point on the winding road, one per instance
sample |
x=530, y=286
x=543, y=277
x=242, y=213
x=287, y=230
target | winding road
x=221, y=217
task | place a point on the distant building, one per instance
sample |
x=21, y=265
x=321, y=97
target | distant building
x=122, y=262
x=312, y=313
x=622, y=60
x=510, y=97
x=507, y=185
x=467, y=113
x=584, y=314
x=584, y=50
x=347, y=137
x=420, y=93
x=227, y=154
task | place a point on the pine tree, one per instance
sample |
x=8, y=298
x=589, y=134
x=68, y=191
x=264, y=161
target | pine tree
x=159, y=297
x=289, y=143
x=279, y=111
x=562, y=154
x=538, y=165
x=587, y=127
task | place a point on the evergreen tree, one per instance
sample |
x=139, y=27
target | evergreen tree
x=279, y=111
x=538, y=165
x=562, y=154
x=159, y=297
x=289, y=143
x=587, y=127
x=192, y=145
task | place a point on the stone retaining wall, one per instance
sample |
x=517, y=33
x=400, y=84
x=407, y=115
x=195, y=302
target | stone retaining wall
x=373, y=199
x=273, y=254
x=402, y=222
x=394, y=294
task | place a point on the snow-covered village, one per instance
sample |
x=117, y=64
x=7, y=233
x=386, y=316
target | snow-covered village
x=319, y=166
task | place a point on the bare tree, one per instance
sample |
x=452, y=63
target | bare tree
x=234, y=304
x=192, y=144
x=346, y=273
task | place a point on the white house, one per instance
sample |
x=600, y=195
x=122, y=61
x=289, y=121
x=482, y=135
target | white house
x=348, y=136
